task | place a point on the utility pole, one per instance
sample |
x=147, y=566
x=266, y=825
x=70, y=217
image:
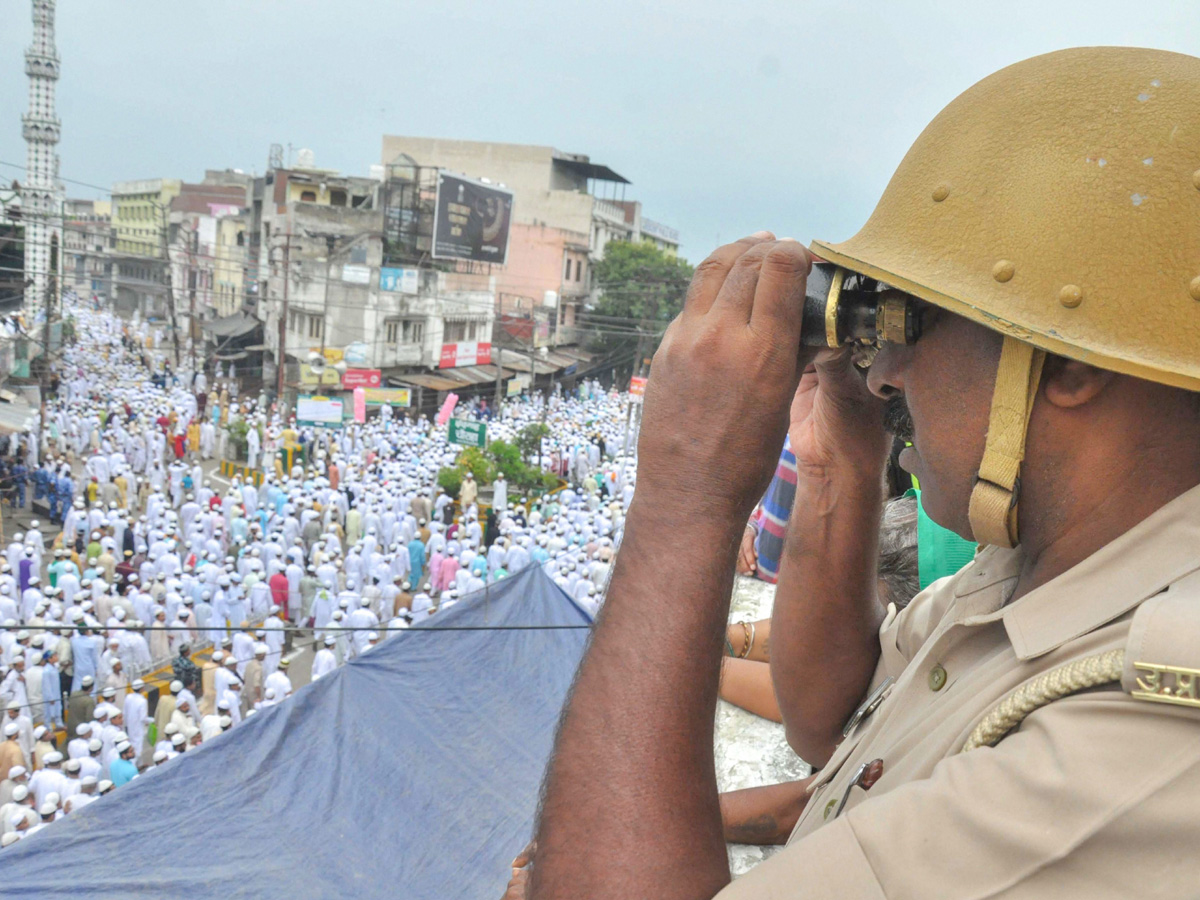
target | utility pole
x=44, y=374
x=281, y=362
x=170, y=287
x=193, y=248
x=330, y=239
x=499, y=377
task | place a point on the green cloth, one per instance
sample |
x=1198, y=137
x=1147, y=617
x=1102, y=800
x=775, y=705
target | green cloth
x=940, y=552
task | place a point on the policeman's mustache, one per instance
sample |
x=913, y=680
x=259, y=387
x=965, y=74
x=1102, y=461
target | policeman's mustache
x=897, y=419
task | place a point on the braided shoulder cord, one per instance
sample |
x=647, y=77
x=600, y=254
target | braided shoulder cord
x=1069, y=678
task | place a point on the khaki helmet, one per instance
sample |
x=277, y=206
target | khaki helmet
x=1057, y=202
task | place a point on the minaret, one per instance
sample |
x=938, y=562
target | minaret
x=41, y=200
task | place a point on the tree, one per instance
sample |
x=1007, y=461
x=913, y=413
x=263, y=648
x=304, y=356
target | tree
x=641, y=289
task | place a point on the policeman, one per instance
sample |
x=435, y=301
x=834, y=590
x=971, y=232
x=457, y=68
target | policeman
x=51, y=489
x=20, y=474
x=64, y=491
x=41, y=479
x=1028, y=726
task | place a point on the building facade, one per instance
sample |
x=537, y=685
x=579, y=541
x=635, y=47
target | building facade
x=88, y=245
x=328, y=284
x=565, y=206
x=140, y=220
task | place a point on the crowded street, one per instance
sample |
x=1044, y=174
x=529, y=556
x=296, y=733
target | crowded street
x=158, y=603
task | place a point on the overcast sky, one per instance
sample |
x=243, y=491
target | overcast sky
x=727, y=117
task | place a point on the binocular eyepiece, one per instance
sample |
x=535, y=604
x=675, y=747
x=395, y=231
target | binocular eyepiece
x=843, y=308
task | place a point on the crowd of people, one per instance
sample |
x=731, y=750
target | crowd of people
x=154, y=563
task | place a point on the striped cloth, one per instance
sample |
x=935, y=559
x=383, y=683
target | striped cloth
x=770, y=519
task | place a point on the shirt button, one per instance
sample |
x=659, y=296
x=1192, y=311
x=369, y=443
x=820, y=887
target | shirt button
x=937, y=678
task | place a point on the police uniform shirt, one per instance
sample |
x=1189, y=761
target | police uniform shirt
x=1091, y=795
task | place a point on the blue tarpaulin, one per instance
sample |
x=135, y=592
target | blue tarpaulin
x=411, y=772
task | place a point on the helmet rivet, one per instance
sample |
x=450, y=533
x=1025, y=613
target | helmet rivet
x=1194, y=288
x=1003, y=270
x=1070, y=296
x=942, y=191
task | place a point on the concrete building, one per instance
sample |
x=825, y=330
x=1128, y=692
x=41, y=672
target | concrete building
x=88, y=245
x=198, y=257
x=140, y=218
x=545, y=281
x=325, y=278
x=229, y=267
x=564, y=206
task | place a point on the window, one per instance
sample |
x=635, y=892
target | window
x=316, y=326
x=241, y=238
x=567, y=274
x=413, y=332
x=391, y=332
x=358, y=254
x=455, y=332
x=310, y=196
x=337, y=198
x=578, y=270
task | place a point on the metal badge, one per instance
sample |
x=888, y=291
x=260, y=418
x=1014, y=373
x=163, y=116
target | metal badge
x=868, y=706
x=1182, y=690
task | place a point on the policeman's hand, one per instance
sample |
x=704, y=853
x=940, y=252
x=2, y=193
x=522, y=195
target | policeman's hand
x=716, y=407
x=836, y=423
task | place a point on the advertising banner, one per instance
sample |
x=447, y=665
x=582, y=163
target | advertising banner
x=401, y=281
x=328, y=376
x=465, y=353
x=355, y=274
x=318, y=411
x=469, y=434
x=360, y=405
x=637, y=389
x=471, y=220
x=367, y=378
x=388, y=396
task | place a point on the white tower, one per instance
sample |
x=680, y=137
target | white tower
x=41, y=201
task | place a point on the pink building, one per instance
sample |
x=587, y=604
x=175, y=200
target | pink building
x=545, y=280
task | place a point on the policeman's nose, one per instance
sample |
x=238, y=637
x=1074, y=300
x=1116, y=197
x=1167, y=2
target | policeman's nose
x=885, y=378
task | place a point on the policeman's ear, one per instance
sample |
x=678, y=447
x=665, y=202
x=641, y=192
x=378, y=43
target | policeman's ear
x=1070, y=384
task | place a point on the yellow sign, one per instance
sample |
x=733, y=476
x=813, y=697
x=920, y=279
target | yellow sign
x=328, y=376
x=390, y=396
x=332, y=354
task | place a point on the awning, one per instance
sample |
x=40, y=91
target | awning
x=16, y=417
x=520, y=362
x=473, y=374
x=591, y=170
x=421, y=379
x=231, y=326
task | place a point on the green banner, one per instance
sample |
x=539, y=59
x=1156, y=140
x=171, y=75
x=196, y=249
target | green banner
x=469, y=434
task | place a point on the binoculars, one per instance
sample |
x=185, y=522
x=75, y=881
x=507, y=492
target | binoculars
x=843, y=308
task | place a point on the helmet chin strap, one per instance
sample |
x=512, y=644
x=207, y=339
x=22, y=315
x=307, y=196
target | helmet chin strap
x=993, y=508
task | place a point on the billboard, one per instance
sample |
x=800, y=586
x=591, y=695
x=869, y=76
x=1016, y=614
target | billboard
x=471, y=220
x=465, y=353
x=367, y=378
